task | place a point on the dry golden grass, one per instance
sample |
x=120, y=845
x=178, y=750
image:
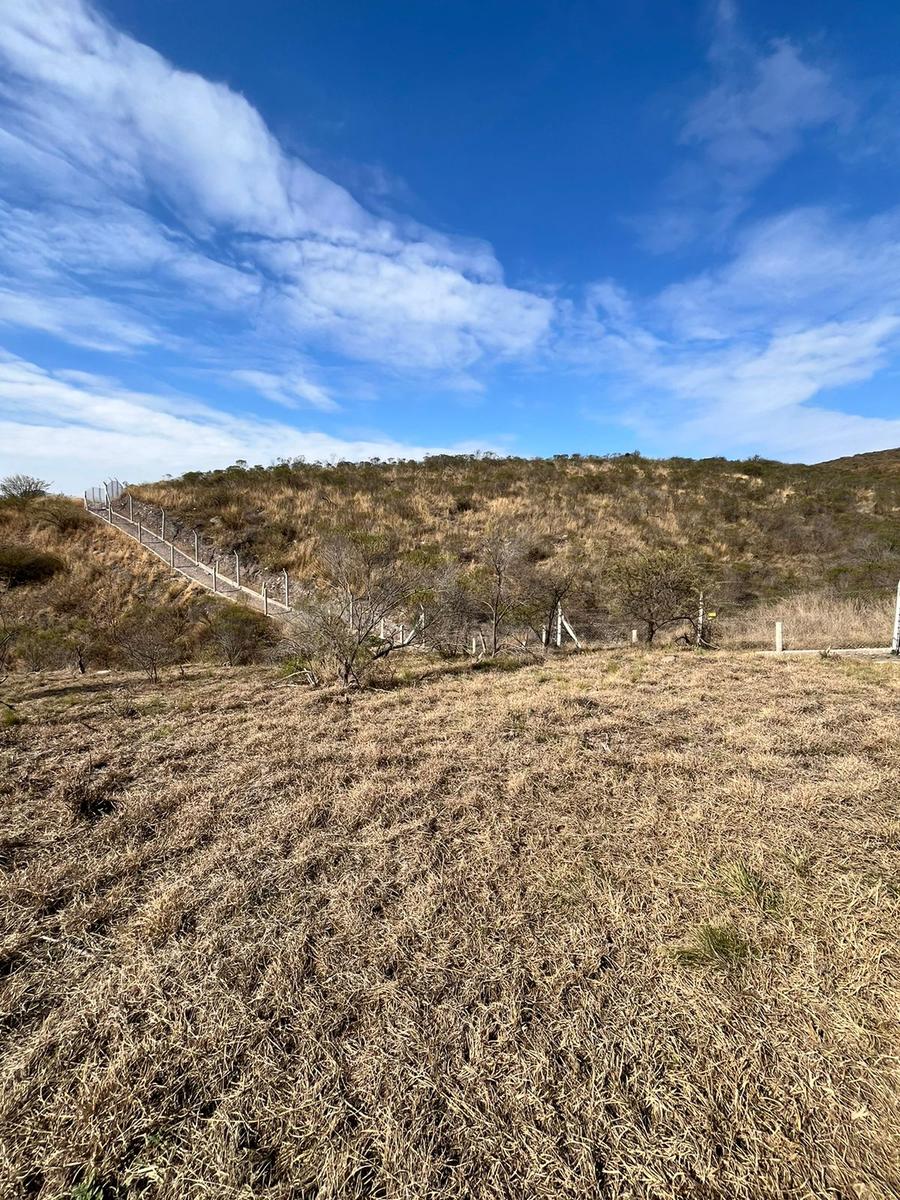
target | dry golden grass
x=615, y=926
x=815, y=621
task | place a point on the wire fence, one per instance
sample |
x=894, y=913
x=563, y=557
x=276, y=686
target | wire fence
x=188, y=553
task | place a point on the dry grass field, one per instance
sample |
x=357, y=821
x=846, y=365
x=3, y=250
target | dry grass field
x=615, y=926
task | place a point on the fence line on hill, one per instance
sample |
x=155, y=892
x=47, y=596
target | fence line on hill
x=99, y=500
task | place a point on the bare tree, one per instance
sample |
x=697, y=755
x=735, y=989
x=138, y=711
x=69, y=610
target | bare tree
x=369, y=601
x=658, y=588
x=22, y=488
x=150, y=638
x=496, y=581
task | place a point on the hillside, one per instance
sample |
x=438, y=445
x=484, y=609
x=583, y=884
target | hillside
x=761, y=528
x=102, y=580
x=619, y=925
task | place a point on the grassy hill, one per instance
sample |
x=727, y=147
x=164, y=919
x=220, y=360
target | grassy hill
x=619, y=925
x=762, y=528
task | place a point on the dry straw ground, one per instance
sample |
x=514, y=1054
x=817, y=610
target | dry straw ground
x=618, y=926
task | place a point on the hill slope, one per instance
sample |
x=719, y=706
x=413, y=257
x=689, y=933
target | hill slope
x=764, y=527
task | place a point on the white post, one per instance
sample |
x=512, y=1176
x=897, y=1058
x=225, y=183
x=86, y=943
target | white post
x=474, y=651
x=381, y=629
x=700, y=617
x=131, y=508
x=140, y=532
x=402, y=642
x=162, y=533
x=86, y=505
x=108, y=508
x=559, y=625
x=895, y=640
x=571, y=632
x=215, y=567
x=634, y=637
x=172, y=555
x=265, y=595
x=544, y=635
x=196, y=547
x=287, y=591
x=779, y=637
x=237, y=569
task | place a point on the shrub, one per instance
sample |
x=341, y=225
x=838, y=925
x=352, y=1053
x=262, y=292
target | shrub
x=20, y=565
x=239, y=633
x=23, y=488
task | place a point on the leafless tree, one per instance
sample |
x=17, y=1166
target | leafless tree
x=658, y=588
x=368, y=602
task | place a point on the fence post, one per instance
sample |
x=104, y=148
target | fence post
x=634, y=637
x=162, y=526
x=543, y=637
x=196, y=547
x=473, y=647
x=895, y=640
x=700, y=618
x=779, y=637
x=237, y=569
x=172, y=555
x=287, y=590
x=108, y=508
x=558, y=625
x=131, y=508
x=265, y=595
x=140, y=532
x=215, y=568
x=86, y=505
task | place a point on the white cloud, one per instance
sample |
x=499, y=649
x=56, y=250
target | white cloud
x=291, y=389
x=249, y=227
x=73, y=428
x=760, y=106
x=731, y=358
x=83, y=320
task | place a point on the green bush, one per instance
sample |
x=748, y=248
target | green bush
x=20, y=565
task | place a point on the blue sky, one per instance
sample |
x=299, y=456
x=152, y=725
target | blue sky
x=253, y=230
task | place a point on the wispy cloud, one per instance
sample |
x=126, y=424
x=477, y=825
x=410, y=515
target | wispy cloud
x=755, y=113
x=73, y=427
x=109, y=134
x=808, y=302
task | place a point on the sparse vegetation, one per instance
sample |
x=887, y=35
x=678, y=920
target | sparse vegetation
x=479, y=935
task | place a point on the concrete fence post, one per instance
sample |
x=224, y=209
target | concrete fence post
x=172, y=555
x=196, y=547
x=131, y=508
x=700, y=618
x=162, y=524
x=895, y=640
x=140, y=533
x=779, y=637
x=237, y=568
x=634, y=637
x=287, y=589
x=265, y=597
x=558, y=625
x=215, y=570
